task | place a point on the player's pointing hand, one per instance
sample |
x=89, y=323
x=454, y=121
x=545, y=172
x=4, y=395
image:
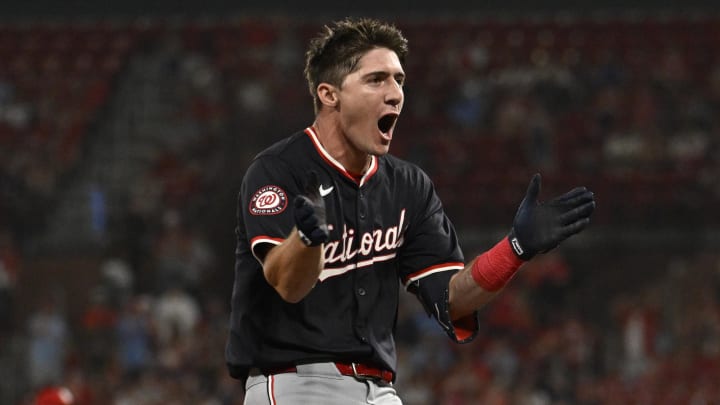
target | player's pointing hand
x=309, y=211
x=541, y=226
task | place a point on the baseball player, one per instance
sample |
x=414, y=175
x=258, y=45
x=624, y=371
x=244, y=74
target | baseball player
x=330, y=226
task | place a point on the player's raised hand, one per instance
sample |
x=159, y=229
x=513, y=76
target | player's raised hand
x=309, y=211
x=540, y=226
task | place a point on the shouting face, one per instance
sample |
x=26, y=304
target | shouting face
x=370, y=100
x=367, y=105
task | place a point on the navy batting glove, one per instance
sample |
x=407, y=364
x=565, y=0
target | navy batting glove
x=310, y=214
x=541, y=226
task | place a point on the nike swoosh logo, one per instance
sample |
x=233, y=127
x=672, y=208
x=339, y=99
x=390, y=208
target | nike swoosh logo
x=325, y=191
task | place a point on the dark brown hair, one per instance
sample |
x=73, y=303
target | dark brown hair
x=335, y=52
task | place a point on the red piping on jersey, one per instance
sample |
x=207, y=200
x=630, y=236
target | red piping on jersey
x=432, y=269
x=310, y=131
x=263, y=239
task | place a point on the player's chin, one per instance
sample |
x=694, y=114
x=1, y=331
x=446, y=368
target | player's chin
x=380, y=148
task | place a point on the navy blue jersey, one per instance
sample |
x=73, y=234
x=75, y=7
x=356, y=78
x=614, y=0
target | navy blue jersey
x=387, y=230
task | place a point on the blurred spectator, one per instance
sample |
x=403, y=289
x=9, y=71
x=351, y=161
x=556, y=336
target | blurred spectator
x=116, y=280
x=176, y=314
x=134, y=335
x=146, y=390
x=54, y=396
x=465, y=383
x=549, y=281
x=183, y=257
x=48, y=335
x=539, y=138
x=503, y=362
x=97, y=330
x=9, y=270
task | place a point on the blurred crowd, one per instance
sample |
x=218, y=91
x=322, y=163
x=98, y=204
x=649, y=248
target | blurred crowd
x=626, y=105
x=552, y=338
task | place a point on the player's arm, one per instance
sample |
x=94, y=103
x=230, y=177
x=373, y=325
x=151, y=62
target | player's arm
x=466, y=294
x=293, y=267
x=538, y=227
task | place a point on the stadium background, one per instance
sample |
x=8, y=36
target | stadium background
x=125, y=129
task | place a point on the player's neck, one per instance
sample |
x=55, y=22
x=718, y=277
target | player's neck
x=339, y=148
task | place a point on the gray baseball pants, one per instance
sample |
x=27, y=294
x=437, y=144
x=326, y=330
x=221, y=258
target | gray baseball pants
x=317, y=384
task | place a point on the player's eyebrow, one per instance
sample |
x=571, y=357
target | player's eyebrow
x=399, y=76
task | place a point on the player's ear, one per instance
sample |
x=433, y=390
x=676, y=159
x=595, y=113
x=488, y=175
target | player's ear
x=327, y=95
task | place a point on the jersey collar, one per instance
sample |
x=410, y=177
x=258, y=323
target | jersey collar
x=310, y=131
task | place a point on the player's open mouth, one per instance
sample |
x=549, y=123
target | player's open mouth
x=386, y=122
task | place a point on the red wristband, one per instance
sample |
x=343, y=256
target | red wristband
x=494, y=268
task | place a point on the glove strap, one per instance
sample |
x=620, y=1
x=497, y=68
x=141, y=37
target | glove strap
x=304, y=238
x=494, y=268
x=517, y=248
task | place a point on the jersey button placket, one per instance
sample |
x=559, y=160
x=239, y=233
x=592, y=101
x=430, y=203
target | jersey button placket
x=362, y=213
x=361, y=292
x=362, y=209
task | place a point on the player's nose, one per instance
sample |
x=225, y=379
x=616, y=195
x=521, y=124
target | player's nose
x=395, y=95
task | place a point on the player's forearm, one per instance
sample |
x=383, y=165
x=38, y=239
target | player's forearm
x=465, y=295
x=482, y=279
x=293, y=268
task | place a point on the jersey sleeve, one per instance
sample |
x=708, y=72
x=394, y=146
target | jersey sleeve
x=265, y=204
x=430, y=256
